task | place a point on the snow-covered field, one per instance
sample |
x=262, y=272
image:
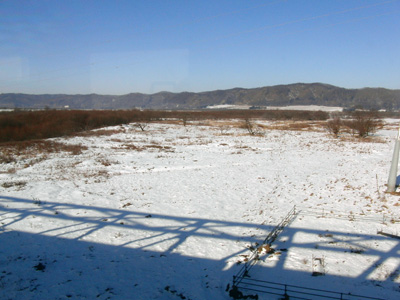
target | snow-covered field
x=170, y=212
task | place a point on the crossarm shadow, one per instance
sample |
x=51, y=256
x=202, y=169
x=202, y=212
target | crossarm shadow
x=96, y=252
x=80, y=222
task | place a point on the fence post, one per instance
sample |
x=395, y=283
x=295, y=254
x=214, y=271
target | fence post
x=391, y=186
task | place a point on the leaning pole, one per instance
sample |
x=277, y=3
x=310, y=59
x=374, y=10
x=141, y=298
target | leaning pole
x=391, y=186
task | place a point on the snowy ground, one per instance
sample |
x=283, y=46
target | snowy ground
x=169, y=212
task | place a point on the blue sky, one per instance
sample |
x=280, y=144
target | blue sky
x=119, y=47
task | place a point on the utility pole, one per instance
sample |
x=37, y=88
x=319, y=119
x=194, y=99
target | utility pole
x=391, y=186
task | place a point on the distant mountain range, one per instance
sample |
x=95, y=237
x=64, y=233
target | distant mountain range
x=279, y=95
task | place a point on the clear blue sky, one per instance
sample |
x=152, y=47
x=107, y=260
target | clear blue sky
x=118, y=47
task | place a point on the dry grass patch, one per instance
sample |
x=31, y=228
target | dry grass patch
x=314, y=126
x=149, y=147
x=106, y=162
x=171, y=122
x=17, y=184
x=95, y=176
x=7, y=157
x=101, y=132
x=220, y=123
x=36, y=151
x=391, y=126
x=131, y=147
x=369, y=139
x=158, y=147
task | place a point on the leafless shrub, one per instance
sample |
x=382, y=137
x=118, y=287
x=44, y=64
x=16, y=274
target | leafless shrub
x=334, y=126
x=142, y=125
x=252, y=128
x=249, y=126
x=363, y=123
x=223, y=129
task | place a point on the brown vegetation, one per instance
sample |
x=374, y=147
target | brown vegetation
x=252, y=128
x=363, y=123
x=21, y=126
x=296, y=126
x=334, y=126
x=360, y=124
x=35, y=151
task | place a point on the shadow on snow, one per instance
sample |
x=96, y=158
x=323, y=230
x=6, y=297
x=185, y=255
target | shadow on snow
x=60, y=256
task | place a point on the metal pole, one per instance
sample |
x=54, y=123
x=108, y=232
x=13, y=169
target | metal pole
x=391, y=186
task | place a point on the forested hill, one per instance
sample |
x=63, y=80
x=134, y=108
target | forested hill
x=279, y=95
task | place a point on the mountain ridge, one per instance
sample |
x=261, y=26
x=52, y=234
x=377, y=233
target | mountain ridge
x=278, y=95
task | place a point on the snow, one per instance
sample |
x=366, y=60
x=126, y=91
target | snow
x=308, y=107
x=169, y=212
x=288, y=107
x=228, y=106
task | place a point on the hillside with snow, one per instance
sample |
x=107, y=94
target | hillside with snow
x=172, y=212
